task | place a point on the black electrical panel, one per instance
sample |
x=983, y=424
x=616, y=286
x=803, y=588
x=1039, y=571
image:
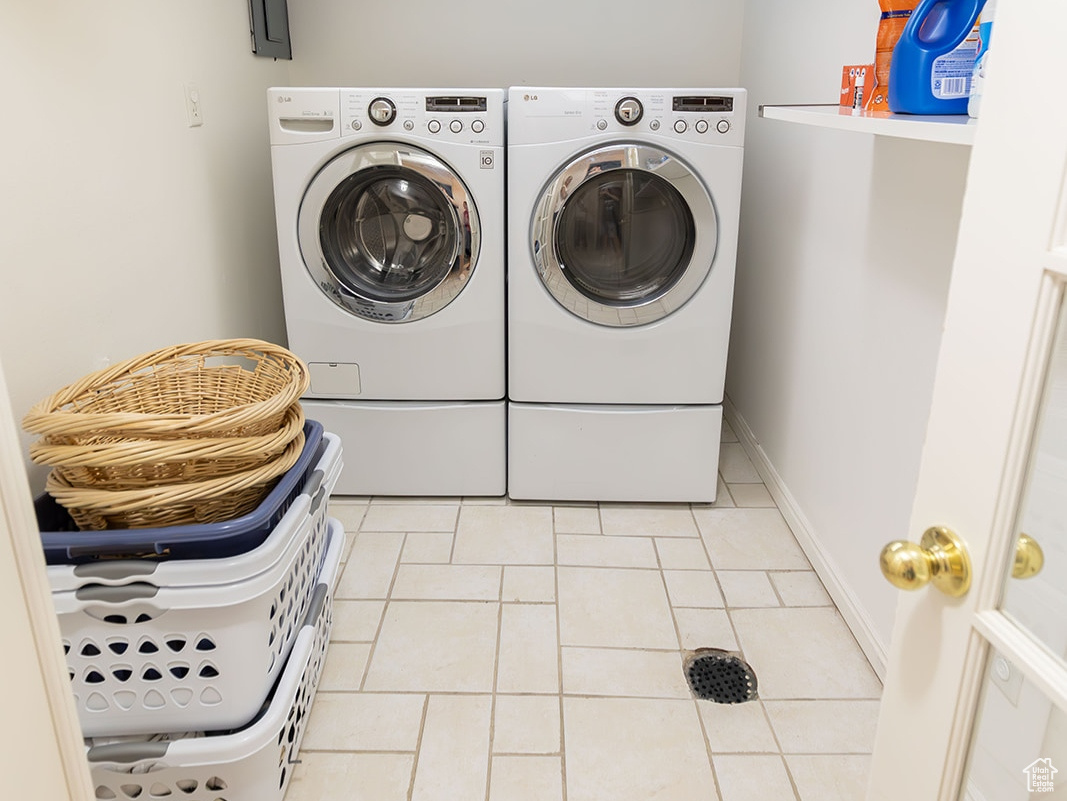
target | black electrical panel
x=270, y=28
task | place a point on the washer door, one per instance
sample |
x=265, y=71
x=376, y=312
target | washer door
x=389, y=232
x=624, y=235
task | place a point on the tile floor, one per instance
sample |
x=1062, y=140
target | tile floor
x=486, y=650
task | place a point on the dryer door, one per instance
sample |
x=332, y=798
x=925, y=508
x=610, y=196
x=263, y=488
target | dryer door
x=389, y=232
x=624, y=235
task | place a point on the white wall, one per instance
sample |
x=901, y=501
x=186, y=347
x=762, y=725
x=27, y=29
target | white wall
x=123, y=229
x=553, y=42
x=845, y=254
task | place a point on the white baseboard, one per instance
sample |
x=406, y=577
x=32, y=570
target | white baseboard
x=824, y=565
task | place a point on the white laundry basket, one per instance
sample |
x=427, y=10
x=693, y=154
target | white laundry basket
x=191, y=644
x=251, y=764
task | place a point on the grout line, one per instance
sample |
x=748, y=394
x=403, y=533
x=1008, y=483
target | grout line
x=559, y=659
x=789, y=775
x=729, y=494
x=774, y=589
x=384, y=614
x=493, y=695
x=707, y=748
x=418, y=745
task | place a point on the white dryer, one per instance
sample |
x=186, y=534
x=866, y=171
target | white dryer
x=623, y=215
x=390, y=209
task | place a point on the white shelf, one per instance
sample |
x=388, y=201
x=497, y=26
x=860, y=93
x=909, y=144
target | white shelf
x=954, y=129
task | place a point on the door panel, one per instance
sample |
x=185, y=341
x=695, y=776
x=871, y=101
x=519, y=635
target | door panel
x=1001, y=323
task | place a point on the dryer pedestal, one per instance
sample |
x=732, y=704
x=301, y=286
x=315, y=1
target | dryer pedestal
x=417, y=448
x=613, y=453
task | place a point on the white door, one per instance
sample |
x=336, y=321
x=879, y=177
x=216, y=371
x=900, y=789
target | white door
x=975, y=700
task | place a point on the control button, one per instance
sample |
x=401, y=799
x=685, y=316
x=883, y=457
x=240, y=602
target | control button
x=654, y=125
x=382, y=111
x=701, y=126
x=455, y=126
x=356, y=125
x=477, y=126
x=629, y=111
x=434, y=126
x=680, y=126
x=722, y=126
x=408, y=125
x=601, y=125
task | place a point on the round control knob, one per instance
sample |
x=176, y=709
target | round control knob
x=356, y=125
x=654, y=125
x=629, y=111
x=477, y=126
x=722, y=126
x=680, y=126
x=701, y=126
x=434, y=126
x=455, y=126
x=601, y=125
x=408, y=125
x=381, y=111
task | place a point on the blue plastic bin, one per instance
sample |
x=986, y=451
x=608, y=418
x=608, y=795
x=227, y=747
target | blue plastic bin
x=63, y=543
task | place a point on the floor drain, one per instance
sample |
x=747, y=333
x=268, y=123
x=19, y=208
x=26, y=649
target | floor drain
x=720, y=676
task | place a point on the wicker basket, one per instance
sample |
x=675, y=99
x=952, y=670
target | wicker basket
x=207, y=501
x=203, y=389
x=109, y=462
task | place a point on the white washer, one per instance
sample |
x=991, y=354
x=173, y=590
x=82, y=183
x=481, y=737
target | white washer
x=623, y=214
x=390, y=209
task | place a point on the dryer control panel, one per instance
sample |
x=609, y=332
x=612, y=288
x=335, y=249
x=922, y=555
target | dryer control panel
x=707, y=116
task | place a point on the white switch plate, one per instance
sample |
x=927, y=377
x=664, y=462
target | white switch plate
x=192, y=106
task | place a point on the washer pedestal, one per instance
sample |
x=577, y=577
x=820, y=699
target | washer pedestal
x=613, y=452
x=417, y=448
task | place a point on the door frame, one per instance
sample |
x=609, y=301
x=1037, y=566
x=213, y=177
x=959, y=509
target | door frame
x=48, y=746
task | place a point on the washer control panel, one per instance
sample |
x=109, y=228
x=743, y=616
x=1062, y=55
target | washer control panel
x=708, y=116
x=466, y=118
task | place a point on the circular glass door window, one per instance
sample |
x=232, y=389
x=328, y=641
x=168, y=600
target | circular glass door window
x=624, y=235
x=389, y=234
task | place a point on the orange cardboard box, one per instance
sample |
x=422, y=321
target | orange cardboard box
x=857, y=86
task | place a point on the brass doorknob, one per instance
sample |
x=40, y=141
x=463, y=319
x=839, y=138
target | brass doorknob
x=940, y=559
x=1029, y=558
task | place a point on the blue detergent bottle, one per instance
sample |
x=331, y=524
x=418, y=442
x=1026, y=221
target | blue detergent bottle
x=930, y=72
